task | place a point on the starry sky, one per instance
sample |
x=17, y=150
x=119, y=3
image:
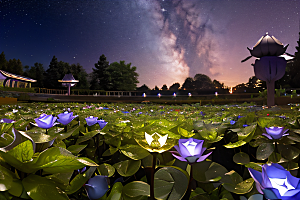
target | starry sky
x=167, y=40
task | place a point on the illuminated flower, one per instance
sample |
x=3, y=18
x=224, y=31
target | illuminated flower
x=155, y=142
x=275, y=132
x=276, y=183
x=5, y=120
x=96, y=187
x=91, y=120
x=102, y=123
x=45, y=121
x=190, y=150
x=66, y=117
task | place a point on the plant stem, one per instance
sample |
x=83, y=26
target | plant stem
x=189, y=189
x=152, y=176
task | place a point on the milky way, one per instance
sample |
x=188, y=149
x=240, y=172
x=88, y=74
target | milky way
x=167, y=41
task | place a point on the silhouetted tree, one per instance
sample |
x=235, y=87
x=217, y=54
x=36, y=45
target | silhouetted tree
x=164, y=87
x=99, y=78
x=155, y=88
x=80, y=74
x=292, y=73
x=3, y=61
x=218, y=85
x=174, y=87
x=14, y=66
x=36, y=72
x=202, y=81
x=188, y=84
x=52, y=74
x=121, y=76
x=144, y=87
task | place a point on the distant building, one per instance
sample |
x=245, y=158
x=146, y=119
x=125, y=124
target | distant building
x=13, y=80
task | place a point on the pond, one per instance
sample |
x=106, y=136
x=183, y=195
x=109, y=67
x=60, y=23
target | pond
x=148, y=151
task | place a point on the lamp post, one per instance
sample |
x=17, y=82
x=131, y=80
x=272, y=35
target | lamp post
x=269, y=66
x=68, y=81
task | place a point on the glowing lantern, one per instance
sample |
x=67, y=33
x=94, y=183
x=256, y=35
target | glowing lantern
x=174, y=94
x=159, y=95
x=144, y=95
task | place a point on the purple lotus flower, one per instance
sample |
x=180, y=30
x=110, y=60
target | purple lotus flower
x=91, y=120
x=5, y=120
x=190, y=150
x=102, y=123
x=66, y=117
x=276, y=183
x=45, y=121
x=232, y=122
x=275, y=132
x=96, y=187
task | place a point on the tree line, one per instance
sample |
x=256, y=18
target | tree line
x=119, y=76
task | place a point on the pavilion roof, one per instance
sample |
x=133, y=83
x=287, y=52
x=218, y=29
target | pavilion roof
x=4, y=75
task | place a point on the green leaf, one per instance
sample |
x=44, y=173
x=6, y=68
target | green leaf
x=63, y=135
x=170, y=183
x=127, y=167
x=110, y=151
x=38, y=135
x=22, y=152
x=241, y=158
x=42, y=188
x=6, y=179
x=235, y=144
x=134, y=152
x=207, y=171
x=255, y=166
x=185, y=133
x=87, y=136
x=75, y=149
x=80, y=180
x=116, y=192
x=16, y=188
x=106, y=169
x=288, y=152
x=61, y=179
x=240, y=188
x=135, y=190
x=59, y=160
x=264, y=151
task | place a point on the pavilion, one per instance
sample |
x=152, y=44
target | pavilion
x=13, y=80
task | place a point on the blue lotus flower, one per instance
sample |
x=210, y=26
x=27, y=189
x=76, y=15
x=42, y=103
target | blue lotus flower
x=91, y=120
x=102, y=123
x=190, y=150
x=45, y=121
x=275, y=132
x=232, y=122
x=275, y=182
x=5, y=120
x=245, y=125
x=96, y=187
x=66, y=117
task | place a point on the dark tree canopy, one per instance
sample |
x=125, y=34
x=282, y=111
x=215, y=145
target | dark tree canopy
x=3, y=61
x=57, y=70
x=121, y=77
x=144, y=87
x=292, y=72
x=188, y=84
x=36, y=72
x=14, y=66
x=174, y=87
x=155, y=88
x=99, y=79
x=164, y=87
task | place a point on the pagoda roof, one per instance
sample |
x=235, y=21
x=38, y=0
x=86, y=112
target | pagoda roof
x=7, y=75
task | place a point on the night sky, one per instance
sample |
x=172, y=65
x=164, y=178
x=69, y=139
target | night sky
x=166, y=40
